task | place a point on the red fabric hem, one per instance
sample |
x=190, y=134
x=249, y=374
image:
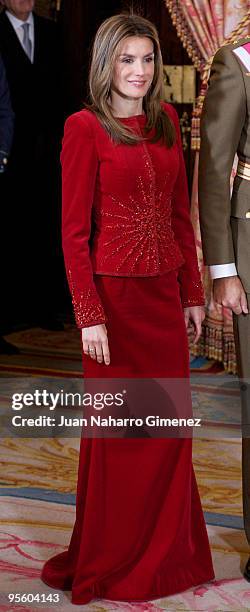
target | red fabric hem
x=172, y=587
x=159, y=272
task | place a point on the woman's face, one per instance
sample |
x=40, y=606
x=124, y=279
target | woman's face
x=134, y=67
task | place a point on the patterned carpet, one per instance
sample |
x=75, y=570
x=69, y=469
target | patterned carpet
x=38, y=481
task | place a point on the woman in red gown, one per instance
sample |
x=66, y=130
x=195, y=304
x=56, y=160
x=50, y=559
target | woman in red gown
x=131, y=263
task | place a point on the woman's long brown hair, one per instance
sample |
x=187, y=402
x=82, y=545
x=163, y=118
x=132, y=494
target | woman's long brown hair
x=108, y=37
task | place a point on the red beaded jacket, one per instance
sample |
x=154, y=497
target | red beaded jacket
x=125, y=212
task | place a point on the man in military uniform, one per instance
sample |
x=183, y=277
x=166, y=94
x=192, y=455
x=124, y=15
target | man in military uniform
x=225, y=220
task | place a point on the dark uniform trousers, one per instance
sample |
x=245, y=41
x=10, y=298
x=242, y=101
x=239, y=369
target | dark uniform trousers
x=242, y=345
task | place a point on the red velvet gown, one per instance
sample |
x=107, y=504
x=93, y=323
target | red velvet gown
x=139, y=532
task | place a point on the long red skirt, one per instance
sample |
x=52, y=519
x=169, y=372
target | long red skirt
x=139, y=532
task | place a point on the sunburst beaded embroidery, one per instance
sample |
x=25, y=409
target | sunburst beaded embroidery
x=140, y=225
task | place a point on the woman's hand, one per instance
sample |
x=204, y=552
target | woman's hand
x=194, y=315
x=95, y=343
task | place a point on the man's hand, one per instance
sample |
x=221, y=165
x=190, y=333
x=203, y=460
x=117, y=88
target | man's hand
x=229, y=292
